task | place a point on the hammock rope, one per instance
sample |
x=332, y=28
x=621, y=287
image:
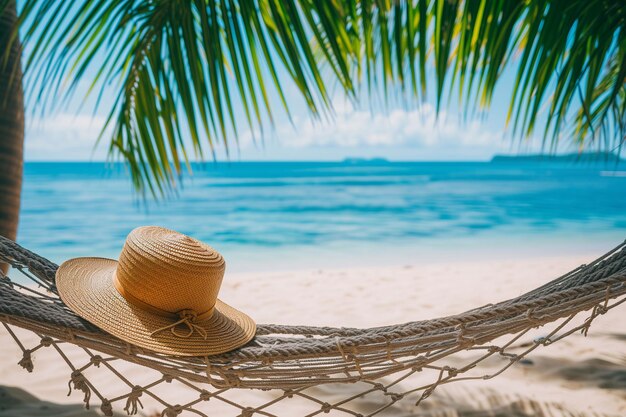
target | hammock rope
x=293, y=361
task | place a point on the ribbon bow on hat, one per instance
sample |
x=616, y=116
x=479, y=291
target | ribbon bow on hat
x=187, y=317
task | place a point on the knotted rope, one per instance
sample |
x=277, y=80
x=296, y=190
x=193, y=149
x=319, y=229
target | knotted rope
x=190, y=319
x=80, y=383
x=291, y=361
x=133, y=400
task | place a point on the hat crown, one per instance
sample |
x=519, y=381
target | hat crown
x=169, y=270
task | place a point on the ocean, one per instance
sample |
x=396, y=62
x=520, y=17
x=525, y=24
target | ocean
x=293, y=215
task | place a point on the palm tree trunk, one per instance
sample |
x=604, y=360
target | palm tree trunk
x=11, y=127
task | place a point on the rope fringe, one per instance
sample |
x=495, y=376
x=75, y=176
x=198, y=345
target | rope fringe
x=106, y=408
x=133, y=400
x=26, y=362
x=80, y=383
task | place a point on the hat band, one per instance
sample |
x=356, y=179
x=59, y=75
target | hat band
x=155, y=310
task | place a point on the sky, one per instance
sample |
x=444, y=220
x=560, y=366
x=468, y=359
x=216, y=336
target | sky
x=396, y=133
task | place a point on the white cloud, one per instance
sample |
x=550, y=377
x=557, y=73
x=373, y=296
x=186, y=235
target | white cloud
x=353, y=128
x=398, y=134
x=64, y=137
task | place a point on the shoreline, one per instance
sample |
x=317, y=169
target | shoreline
x=246, y=258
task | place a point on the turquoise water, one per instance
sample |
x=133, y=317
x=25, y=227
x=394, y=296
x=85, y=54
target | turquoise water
x=284, y=215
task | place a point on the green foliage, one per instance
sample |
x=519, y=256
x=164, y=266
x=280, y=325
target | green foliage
x=178, y=68
x=569, y=57
x=184, y=68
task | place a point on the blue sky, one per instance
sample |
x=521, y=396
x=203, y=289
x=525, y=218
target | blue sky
x=396, y=133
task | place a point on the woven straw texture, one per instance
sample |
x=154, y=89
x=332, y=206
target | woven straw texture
x=161, y=272
x=292, y=362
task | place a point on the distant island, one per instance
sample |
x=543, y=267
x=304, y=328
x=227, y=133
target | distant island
x=365, y=161
x=603, y=157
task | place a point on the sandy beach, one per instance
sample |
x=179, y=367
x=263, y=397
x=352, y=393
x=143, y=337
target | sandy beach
x=584, y=375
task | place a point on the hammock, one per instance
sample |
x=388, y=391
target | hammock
x=291, y=361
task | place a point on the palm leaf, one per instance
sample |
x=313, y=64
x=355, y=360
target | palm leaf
x=186, y=73
x=183, y=69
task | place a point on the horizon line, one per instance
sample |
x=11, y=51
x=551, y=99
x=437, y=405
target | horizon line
x=354, y=159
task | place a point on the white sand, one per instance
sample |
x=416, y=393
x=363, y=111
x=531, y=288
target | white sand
x=570, y=374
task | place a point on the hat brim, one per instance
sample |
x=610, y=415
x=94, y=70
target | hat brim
x=86, y=286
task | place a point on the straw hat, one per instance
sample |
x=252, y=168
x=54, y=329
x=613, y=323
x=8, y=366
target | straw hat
x=160, y=295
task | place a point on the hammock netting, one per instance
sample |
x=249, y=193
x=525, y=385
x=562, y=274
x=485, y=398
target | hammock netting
x=403, y=362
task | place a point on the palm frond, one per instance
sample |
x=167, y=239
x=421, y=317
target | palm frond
x=193, y=69
x=568, y=58
x=182, y=69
